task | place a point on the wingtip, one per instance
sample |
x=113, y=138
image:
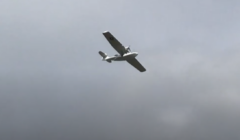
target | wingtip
x=106, y=31
x=143, y=70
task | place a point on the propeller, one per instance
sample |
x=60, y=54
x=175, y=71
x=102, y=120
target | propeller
x=128, y=48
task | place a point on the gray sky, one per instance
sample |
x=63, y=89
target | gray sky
x=54, y=86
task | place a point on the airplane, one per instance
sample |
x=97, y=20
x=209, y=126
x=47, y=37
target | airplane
x=125, y=53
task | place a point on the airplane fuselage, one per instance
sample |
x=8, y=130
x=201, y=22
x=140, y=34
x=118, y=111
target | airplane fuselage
x=122, y=58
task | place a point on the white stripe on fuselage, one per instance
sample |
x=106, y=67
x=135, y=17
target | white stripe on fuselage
x=122, y=58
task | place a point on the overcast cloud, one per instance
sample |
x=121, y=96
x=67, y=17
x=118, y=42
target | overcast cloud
x=54, y=86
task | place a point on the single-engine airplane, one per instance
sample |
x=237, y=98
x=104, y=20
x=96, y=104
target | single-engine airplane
x=125, y=53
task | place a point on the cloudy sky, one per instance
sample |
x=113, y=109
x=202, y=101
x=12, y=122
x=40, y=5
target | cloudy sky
x=54, y=86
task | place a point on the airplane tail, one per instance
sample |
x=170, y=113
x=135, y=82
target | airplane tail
x=104, y=56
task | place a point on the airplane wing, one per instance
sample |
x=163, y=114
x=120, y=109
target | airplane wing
x=114, y=43
x=134, y=62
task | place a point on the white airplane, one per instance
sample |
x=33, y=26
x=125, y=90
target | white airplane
x=125, y=53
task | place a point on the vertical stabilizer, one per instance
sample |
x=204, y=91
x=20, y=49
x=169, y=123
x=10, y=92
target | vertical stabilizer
x=104, y=55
